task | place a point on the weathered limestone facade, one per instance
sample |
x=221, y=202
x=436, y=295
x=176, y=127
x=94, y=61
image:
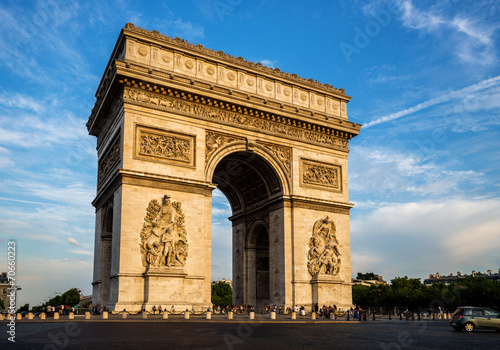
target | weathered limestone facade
x=174, y=121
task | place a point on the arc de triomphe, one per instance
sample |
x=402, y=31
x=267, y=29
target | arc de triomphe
x=173, y=122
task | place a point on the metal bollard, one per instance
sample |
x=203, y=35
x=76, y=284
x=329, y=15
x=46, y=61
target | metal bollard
x=390, y=316
x=348, y=315
x=418, y=316
x=400, y=316
x=374, y=316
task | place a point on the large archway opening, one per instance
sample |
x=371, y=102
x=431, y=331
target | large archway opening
x=251, y=185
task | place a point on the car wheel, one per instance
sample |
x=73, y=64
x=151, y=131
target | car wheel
x=469, y=327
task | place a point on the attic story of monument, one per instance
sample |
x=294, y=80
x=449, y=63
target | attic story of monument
x=174, y=121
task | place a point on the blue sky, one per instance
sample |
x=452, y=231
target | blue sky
x=425, y=83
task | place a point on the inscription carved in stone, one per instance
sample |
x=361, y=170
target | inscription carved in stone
x=324, y=255
x=164, y=146
x=276, y=126
x=109, y=160
x=163, y=235
x=320, y=174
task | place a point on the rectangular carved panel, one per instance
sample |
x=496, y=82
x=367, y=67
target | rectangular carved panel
x=164, y=146
x=109, y=161
x=320, y=175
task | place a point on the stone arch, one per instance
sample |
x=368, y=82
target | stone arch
x=242, y=146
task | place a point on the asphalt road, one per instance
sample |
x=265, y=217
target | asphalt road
x=240, y=334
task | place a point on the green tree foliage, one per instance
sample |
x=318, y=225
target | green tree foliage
x=25, y=307
x=222, y=294
x=411, y=293
x=366, y=276
x=71, y=298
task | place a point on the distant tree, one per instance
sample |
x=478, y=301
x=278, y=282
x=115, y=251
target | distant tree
x=71, y=297
x=222, y=294
x=366, y=276
x=25, y=307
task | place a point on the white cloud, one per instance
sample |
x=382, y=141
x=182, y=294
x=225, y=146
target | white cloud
x=378, y=169
x=470, y=37
x=413, y=236
x=269, y=63
x=73, y=241
x=453, y=95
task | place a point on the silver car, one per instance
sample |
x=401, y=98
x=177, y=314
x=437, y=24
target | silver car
x=470, y=318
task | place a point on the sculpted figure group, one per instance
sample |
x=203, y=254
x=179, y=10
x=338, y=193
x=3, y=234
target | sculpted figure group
x=324, y=255
x=163, y=235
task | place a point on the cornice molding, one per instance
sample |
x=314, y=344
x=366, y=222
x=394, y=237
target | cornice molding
x=183, y=44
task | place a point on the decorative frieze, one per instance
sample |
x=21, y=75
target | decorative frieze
x=163, y=235
x=164, y=146
x=109, y=160
x=215, y=140
x=322, y=175
x=284, y=154
x=253, y=119
x=324, y=254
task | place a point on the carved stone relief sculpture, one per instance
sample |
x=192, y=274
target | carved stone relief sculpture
x=163, y=235
x=324, y=255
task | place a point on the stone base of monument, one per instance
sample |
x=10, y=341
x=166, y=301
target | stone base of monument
x=326, y=290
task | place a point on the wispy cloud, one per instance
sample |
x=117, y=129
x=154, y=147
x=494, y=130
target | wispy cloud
x=471, y=37
x=73, y=241
x=453, y=95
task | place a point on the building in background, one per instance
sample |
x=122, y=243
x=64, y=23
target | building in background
x=437, y=278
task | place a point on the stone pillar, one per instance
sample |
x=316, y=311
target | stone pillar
x=124, y=315
x=42, y=316
x=186, y=315
x=144, y=315
x=230, y=315
x=332, y=315
x=1, y=317
x=209, y=315
x=165, y=315
x=273, y=315
x=87, y=315
x=313, y=315
x=30, y=316
x=252, y=315
x=19, y=316
x=104, y=315
x=71, y=316
x=56, y=315
x=294, y=315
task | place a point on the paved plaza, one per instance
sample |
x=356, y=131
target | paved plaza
x=241, y=333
